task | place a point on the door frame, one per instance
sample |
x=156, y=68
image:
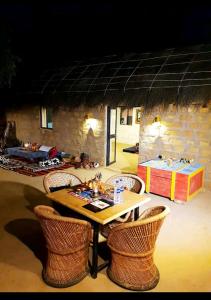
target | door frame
x=110, y=136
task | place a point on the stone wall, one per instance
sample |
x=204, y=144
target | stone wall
x=70, y=132
x=184, y=133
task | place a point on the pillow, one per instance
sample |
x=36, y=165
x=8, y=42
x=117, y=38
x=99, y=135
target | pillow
x=57, y=188
x=45, y=148
x=53, y=153
x=35, y=147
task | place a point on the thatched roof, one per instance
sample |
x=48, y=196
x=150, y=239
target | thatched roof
x=179, y=76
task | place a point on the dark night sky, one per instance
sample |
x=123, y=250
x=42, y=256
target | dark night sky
x=54, y=32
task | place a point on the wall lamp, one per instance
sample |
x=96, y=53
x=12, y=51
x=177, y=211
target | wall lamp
x=157, y=129
x=91, y=122
x=157, y=120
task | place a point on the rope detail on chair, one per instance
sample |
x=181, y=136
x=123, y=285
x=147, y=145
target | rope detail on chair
x=132, y=248
x=59, y=178
x=132, y=183
x=68, y=242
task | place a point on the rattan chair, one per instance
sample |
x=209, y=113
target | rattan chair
x=132, y=183
x=59, y=178
x=67, y=242
x=62, y=178
x=132, y=247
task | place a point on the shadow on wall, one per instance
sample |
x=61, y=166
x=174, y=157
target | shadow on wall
x=159, y=146
x=90, y=145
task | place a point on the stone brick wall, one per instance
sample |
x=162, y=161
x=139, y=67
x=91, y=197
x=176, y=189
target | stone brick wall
x=184, y=133
x=70, y=132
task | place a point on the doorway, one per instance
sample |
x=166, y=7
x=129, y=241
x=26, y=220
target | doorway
x=123, y=130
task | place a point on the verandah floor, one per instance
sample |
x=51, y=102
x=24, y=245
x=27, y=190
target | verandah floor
x=182, y=252
x=125, y=162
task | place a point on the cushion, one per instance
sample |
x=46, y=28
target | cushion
x=53, y=152
x=57, y=188
x=45, y=148
x=35, y=147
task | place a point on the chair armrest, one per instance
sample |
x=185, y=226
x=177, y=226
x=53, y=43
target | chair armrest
x=123, y=219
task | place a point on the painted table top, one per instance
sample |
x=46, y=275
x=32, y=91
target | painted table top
x=179, y=167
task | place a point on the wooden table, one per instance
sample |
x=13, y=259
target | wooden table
x=131, y=201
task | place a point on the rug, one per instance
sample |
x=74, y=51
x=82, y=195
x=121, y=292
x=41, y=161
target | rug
x=28, y=168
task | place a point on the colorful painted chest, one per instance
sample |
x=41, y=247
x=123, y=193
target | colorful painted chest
x=180, y=181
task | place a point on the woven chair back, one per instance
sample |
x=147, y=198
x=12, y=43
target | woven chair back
x=67, y=241
x=59, y=178
x=63, y=234
x=130, y=181
x=138, y=237
x=132, y=247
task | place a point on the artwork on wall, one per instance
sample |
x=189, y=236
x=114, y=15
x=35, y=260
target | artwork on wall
x=126, y=116
x=138, y=116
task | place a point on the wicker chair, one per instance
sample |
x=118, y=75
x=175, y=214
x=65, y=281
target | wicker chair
x=132, y=247
x=68, y=242
x=59, y=178
x=132, y=183
x=62, y=178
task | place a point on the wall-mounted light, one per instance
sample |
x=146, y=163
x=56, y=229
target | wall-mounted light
x=26, y=145
x=157, y=129
x=91, y=122
x=157, y=120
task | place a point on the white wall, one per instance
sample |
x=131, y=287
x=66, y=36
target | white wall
x=127, y=134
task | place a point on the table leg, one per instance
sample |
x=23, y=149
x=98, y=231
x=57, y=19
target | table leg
x=136, y=214
x=94, y=268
